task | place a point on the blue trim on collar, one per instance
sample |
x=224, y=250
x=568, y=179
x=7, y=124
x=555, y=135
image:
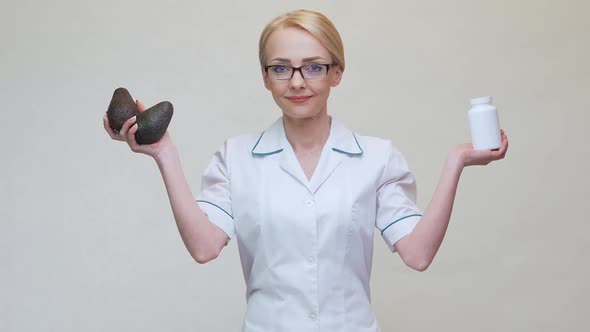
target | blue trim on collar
x=351, y=153
x=263, y=153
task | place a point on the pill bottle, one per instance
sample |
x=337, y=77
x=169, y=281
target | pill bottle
x=484, y=124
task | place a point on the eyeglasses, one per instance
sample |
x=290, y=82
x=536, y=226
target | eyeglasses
x=313, y=71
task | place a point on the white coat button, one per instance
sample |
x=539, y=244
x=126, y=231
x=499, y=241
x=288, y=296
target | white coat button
x=313, y=316
x=311, y=259
x=309, y=203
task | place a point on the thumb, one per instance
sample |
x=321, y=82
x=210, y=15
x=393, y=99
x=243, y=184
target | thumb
x=140, y=106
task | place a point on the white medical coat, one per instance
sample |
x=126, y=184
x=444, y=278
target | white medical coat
x=306, y=247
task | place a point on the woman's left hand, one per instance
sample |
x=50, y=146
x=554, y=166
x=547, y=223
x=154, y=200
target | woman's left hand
x=465, y=155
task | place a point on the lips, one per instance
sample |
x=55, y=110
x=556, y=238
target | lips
x=299, y=99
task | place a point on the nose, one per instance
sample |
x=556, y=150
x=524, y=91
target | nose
x=297, y=81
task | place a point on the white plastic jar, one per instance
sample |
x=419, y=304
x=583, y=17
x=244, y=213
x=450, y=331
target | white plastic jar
x=485, y=125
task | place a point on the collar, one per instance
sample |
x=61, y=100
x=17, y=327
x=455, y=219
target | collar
x=340, y=139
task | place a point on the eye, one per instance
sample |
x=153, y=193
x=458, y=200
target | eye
x=280, y=69
x=315, y=68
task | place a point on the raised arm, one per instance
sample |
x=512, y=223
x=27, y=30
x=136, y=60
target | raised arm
x=203, y=239
x=418, y=248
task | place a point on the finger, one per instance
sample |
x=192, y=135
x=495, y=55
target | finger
x=140, y=106
x=126, y=125
x=131, y=138
x=503, y=148
x=107, y=127
x=506, y=147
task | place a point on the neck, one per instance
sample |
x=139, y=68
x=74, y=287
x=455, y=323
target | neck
x=308, y=133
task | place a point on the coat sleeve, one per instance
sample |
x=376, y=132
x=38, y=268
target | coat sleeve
x=397, y=213
x=215, y=197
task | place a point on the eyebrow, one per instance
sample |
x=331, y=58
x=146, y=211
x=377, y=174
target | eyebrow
x=313, y=58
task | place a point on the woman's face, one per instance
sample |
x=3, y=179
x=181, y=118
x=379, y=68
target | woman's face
x=299, y=98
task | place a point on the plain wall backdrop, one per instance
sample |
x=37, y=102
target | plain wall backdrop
x=87, y=238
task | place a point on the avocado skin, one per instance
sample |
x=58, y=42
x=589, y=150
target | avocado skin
x=153, y=122
x=121, y=108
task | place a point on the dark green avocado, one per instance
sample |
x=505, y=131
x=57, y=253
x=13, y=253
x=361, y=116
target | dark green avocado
x=153, y=122
x=121, y=108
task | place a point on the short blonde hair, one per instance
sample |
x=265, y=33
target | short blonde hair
x=313, y=22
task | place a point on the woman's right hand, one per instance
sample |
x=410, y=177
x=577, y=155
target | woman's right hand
x=127, y=134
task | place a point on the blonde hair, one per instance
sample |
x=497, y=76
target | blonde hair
x=315, y=23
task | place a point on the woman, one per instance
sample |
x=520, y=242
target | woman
x=303, y=197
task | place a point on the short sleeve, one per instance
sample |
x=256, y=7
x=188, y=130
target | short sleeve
x=215, y=197
x=397, y=213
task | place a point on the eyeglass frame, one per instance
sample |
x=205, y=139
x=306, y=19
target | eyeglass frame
x=294, y=69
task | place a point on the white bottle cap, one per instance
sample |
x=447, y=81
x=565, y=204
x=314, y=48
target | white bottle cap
x=481, y=100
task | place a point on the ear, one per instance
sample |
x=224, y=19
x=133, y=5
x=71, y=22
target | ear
x=336, y=76
x=265, y=78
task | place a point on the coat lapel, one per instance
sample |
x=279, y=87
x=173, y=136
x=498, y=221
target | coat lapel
x=274, y=141
x=291, y=165
x=341, y=145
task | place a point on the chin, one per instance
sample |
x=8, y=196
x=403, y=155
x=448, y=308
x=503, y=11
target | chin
x=300, y=114
x=304, y=111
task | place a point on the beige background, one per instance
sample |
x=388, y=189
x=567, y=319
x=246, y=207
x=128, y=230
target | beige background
x=87, y=237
